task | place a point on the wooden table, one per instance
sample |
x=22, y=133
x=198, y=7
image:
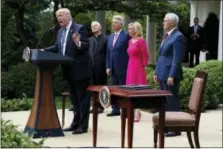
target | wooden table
x=128, y=100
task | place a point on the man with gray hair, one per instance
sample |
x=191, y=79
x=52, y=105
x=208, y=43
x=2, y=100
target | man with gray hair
x=169, y=64
x=97, y=50
x=117, y=57
x=72, y=41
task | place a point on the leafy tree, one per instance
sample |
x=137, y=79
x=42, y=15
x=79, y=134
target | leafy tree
x=20, y=22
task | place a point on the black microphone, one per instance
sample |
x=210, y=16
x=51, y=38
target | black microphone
x=44, y=33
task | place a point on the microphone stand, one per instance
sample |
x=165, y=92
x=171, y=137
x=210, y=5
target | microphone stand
x=44, y=33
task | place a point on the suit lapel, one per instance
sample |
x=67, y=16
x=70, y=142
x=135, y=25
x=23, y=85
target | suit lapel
x=165, y=42
x=69, y=36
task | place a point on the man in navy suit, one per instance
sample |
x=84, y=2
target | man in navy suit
x=169, y=71
x=72, y=41
x=117, y=57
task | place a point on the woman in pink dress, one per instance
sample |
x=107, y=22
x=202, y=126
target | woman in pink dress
x=138, y=60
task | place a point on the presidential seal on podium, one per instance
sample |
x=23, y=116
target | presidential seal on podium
x=105, y=97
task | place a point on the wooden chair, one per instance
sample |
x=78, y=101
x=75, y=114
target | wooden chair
x=64, y=95
x=186, y=121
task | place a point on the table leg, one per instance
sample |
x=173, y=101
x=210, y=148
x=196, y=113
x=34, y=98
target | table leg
x=95, y=119
x=130, y=124
x=123, y=123
x=161, y=123
x=63, y=110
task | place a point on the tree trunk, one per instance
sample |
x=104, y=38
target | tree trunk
x=19, y=18
x=56, y=4
x=62, y=3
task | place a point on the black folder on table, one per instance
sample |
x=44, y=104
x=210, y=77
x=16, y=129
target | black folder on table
x=135, y=87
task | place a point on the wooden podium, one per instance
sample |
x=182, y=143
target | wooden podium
x=128, y=100
x=43, y=120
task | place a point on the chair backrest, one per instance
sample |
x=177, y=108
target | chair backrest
x=196, y=98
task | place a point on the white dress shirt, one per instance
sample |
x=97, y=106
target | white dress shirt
x=195, y=28
x=171, y=31
x=118, y=33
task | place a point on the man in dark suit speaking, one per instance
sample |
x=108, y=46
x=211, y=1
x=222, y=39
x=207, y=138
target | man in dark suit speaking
x=169, y=71
x=72, y=41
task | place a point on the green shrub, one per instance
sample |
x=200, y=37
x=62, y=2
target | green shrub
x=18, y=80
x=23, y=76
x=59, y=84
x=213, y=92
x=13, y=138
x=16, y=104
x=150, y=73
x=21, y=79
x=23, y=104
x=7, y=88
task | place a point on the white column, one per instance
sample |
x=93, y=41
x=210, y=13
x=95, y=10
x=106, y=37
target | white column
x=220, y=33
x=151, y=40
x=193, y=11
x=100, y=17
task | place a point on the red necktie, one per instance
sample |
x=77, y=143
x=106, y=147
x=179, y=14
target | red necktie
x=165, y=37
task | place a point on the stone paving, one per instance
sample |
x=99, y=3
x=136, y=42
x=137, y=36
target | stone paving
x=109, y=131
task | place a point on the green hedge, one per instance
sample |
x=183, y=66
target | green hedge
x=20, y=79
x=11, y=137
x=22, y=104
x=213, y=92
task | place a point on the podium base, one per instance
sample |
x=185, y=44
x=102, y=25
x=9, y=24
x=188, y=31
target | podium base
x=43, y=133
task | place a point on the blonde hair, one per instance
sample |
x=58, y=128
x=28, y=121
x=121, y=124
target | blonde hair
x=66, y=11
x=119, y=19
x=137, y=27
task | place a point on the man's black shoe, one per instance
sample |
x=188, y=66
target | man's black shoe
x=79, y=131
x=69, y=129
x=113, y=114
x=172, y=134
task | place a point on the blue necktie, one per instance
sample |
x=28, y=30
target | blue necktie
x=63, y=40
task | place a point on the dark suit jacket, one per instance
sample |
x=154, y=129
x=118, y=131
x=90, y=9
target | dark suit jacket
x=98, y=54
x=171, y=55
x=81, y=67
x=117, y=57
x=195, y=44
